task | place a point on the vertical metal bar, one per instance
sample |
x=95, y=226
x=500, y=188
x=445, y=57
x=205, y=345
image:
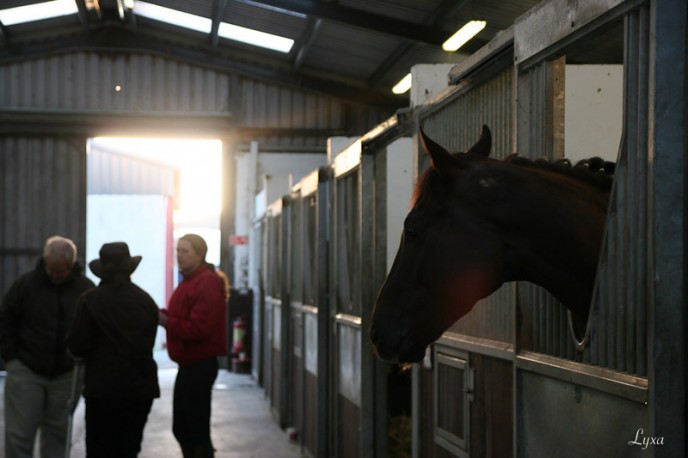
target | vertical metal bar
x=285, y=310
x=627, y=292
x=323, y=215
x=642, y=186
x=366, y=270
x=667, y=276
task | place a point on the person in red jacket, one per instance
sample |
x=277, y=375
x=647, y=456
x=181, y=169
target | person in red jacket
x=195, y=320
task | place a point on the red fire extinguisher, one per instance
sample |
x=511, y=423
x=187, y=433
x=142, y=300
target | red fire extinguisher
x=238, y=334
x=240, y=363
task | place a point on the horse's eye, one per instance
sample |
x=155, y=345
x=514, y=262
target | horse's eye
x=411, y=234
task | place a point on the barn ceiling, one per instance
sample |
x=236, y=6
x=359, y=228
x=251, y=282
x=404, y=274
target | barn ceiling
x=352, y=49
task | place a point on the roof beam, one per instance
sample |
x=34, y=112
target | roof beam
x=446, y=9
x=4, y=33
x=217, y=13
x=83, y=13
x=309, y=37
x=363, y=19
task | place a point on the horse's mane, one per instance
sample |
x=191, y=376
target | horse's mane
x=594, y=171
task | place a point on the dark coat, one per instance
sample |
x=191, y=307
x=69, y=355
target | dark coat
x=114, y=332
x=34, y=318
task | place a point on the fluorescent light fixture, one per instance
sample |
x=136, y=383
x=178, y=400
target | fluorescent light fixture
x=254, y=37
x=403, y=86
x=37, y=12
x=464, y=34
x=174, y=17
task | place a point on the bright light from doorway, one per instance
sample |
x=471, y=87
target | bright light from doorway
x=199, y=163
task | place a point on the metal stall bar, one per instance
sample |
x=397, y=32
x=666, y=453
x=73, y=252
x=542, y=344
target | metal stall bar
x=314, y=196
x=273, y=307
x=619, y=340
x=668, y=144
x=294, y=285
x=345, y=311
x=617, y=311
x=323, y=300
x=285, y=314
x=375, y=212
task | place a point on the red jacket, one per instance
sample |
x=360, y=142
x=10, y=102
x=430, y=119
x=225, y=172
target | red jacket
x=196, y=325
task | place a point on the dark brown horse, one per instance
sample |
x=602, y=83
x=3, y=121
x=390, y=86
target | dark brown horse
x=476, y=223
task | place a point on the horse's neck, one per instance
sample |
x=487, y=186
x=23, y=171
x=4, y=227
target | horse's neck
x=555, y=241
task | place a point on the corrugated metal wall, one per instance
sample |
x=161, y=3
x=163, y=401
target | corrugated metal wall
x=139, y=84
x=618, y=336
x=42, y=193
x=71, y=87
x=623, y=290
x=87, y=81
x=456, y=124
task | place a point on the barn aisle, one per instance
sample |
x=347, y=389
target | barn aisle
x=242, y=425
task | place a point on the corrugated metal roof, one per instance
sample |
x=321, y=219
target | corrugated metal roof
x=350, y=38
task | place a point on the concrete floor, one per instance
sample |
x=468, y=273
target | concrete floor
x=242, y=425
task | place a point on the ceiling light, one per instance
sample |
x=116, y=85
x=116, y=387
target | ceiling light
x=254, y=37
x=37, y=12
x=464, y=34
x=403, y=86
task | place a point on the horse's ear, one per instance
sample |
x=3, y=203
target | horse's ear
x=484, y=143
x=440, y=158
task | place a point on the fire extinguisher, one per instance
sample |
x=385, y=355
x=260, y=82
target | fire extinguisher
x=238, y=334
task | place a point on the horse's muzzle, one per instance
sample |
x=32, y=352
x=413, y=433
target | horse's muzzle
x=398, y=349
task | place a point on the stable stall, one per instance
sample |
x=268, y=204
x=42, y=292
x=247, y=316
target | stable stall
x=516, y=376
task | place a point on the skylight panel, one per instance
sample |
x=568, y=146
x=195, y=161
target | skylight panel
x=174, y=17
x=37, y=12
x=201, y=24
x=256, y=38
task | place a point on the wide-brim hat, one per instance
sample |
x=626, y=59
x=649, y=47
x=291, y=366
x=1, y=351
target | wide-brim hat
x=114, y=258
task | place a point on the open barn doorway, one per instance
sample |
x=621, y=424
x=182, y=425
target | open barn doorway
x=148, y=192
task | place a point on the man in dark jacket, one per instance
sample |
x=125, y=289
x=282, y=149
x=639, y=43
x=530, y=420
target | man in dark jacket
x=34, y=317
x=114, y=332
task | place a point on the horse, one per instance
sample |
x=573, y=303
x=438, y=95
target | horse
x=477, y=222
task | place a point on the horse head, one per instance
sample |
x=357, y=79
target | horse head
x=448, y=258
x=475, y=223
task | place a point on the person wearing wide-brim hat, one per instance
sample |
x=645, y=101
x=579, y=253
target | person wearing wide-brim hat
x=114, y=332
x=114, y=260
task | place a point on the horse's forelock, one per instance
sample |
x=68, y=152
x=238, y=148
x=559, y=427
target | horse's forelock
x=421, y=193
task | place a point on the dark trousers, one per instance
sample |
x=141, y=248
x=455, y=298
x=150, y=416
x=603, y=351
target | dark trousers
x=114, y=427
x=191, y=405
